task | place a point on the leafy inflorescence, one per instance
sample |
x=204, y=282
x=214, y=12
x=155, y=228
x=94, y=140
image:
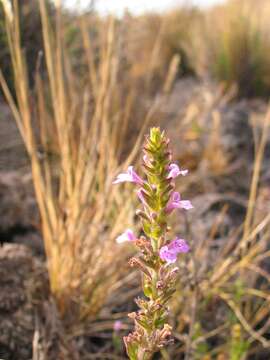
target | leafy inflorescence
x=156, y=254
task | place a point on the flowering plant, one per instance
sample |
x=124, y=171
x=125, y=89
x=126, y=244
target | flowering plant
x=157, y=254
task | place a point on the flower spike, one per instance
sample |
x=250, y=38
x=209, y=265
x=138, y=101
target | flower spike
x=156, y=253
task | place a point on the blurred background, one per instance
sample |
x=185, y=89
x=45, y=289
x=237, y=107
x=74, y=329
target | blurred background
x=81, y=83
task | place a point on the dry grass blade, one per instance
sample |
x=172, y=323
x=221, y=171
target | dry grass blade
x=256, y=174
x=254, y=334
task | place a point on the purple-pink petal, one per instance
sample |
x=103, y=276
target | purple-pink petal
x=128, y=235
x=185, y=204
x=179, y=245
x=167, y=255
x=175, y=171
x=175, y=202
x=135, y=177
x=169, y=252
x=129, y=176
x=175, y=196
x=122, y=178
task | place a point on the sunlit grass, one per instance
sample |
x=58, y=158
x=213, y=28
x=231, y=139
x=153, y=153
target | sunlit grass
x=78, y=123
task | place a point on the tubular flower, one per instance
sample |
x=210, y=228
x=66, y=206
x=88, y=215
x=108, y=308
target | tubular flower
x=129, y=176
x=175, y=171
x=175, y=202
x=169, y=252
x=128, y=235
x=156, y=253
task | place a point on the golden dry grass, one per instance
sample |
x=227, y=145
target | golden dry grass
x=81, y=213
x=75, y=131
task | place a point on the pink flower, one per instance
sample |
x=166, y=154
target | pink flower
x=130, y=176
x=169, y=252
x=166, y=255
x=174, y=171
x=128, y=235
x=175, y=202
x=117, y=326
x=179, y=245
